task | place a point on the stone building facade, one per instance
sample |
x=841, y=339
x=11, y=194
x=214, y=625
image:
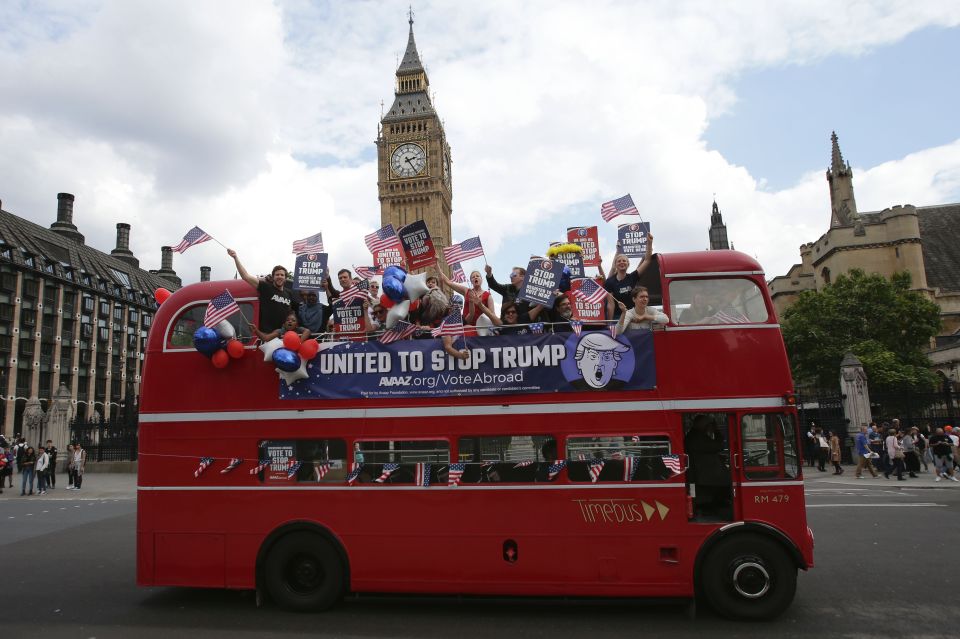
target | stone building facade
x=73, y=319
x=414, y=177
x=925, y=241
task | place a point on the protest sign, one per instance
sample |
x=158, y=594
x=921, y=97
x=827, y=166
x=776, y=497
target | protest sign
x=632, y=239
x=417, y=245
x=309, y=272
x=582, y=310
x=588, y=239
x=541, y=281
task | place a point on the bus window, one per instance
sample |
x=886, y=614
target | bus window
x=624, y=458
x=421, y=462
x=320, y=460
x=769, y=447
x=508, y=458
x=717, y=301
x=190, y=319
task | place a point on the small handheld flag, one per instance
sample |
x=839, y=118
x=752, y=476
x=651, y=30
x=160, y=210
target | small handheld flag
x=205, y=463
x=590, y=292
x=193, y=236
x=401, y=330
x=368, y=272
x=465, y=250
x=620, y=206
x=236, y=461
x=220, y=308
x=577, y=326
x=456, y=273
x=382, y=239
x=312, y=244
x=452, y=324
x=359, y=291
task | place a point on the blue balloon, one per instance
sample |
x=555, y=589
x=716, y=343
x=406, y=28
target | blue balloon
x=565, y=279
x=393, y=288
x=206, y=340
x=286, y=360
x=395, y=271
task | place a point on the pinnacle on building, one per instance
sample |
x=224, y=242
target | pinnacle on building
x=718, y=230
x=840, y=177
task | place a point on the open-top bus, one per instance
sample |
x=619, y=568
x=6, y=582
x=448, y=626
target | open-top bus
x=547, y=464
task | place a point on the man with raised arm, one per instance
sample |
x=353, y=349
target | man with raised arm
x=276, y=300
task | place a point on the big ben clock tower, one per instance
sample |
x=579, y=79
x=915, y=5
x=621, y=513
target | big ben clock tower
x=413, y=157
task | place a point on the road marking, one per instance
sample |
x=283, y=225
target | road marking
x=876, y=505
x=29, y=514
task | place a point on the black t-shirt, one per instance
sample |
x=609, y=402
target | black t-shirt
x=941, y=445
x=620, y=289
x=275, y=305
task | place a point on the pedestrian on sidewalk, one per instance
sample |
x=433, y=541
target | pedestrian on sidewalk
x=52, y=471
x=79, y=460
x=7, y=475
x=26, y=465
x=69, y=466
x=895, y=453
x=923, y=449
x=862, y=446
x=835, y=453
x=942, y=455
x=910, y=458
x=823, y=450
x=43, y=463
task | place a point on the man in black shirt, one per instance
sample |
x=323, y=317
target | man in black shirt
x=276, y=300
x=942, y=449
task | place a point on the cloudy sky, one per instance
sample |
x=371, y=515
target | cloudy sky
x=256, y=120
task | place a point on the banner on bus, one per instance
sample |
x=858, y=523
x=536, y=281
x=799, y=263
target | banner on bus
x=588, y=239
x=549, y=363
x=417, y=245
x=632, y=239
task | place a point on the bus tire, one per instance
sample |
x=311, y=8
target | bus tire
x=304, y=572
x=749, y=577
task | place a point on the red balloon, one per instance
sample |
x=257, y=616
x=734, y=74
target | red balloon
x=161, y=295
x=309, y=349
x=220, y=359
x=291, y=341
x=235, y=348
x=385, y=301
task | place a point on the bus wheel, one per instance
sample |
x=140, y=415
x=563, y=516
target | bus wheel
x=304, y=572
x=749, y=577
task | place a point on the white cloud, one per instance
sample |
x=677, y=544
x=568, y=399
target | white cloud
x=167, y=115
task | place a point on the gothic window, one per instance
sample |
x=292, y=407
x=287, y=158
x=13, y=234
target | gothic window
x=825, y=274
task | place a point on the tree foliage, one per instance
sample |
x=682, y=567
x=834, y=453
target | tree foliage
x=885, y=324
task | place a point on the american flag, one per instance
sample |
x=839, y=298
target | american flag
x=595, y=467
x=536, y=328
x=554, y=469
x=457, y=274
x=455, y=474
x=261, y=466
x=383, y=239
x=205, y=463
x=220, y=308
x=733, y=317
x=423, y=474
x=620, y=206
x=293, y=467
x=236, y=461
x=524, y=463
x=465, y=250
x=388, y=469
x=452, y=324
x=635, y=439
x=401, y=330
x=193, y=236
x=590, y=292
x=577, y=326
x=672, y=462
x=368, y=272
x=359, y=291
x=354, y=473
x=321, y=470
x=312, y=244
x=613, y=330
x=629, y=468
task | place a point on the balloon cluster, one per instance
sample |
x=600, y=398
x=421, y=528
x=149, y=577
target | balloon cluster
x=400, y=290
x=220, y=343
x=290, y=355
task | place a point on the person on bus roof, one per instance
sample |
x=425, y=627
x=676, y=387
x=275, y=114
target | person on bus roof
x=289, y=324
x=620, y=282
x=640, y=317
x=276, y=299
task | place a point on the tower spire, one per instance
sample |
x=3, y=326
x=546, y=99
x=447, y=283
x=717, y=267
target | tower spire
x=718, y=230
x=843, y=205
x=411, y=58
x=836, y=158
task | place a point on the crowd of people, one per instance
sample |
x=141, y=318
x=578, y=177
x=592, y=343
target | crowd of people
x=282, y=309
x=37, y=466
x=891, y=450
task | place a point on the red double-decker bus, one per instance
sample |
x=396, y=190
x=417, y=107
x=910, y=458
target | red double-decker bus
x=573, y=463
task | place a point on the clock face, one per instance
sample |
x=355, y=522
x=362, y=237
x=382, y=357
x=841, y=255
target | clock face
x=408, y=160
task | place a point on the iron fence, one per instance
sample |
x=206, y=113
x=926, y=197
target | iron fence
x=107, y=441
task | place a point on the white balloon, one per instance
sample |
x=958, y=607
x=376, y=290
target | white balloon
x=269, y=347
x=483, y=326
x=225, y=330
x=397, y=312
x=291, y=376
x=416, y=285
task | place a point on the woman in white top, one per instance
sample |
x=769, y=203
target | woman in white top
x=639, y=317
x=895, y=453
x=43, y=462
